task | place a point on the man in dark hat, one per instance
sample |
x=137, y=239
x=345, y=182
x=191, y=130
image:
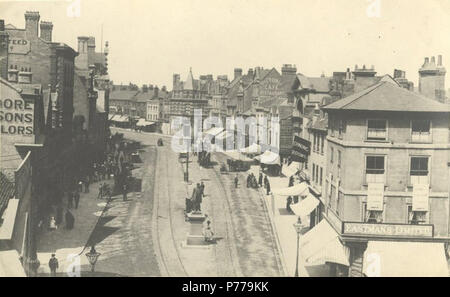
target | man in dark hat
x=53, y=264
x=260, y=180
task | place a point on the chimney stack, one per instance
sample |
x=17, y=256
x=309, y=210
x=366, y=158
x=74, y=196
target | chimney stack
x=439, y=60
x=433, y=60
x=427, y=60
x=288, y=69
x=46, y=31
x=31, y=23
x=4, y=38
x=250, y=72
x=237, y=72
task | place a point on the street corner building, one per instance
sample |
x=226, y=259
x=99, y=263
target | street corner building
x=54, y=108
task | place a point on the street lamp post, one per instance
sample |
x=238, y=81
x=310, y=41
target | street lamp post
x=298, y=229
x=92, y=257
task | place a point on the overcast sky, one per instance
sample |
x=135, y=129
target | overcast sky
x=150, y=40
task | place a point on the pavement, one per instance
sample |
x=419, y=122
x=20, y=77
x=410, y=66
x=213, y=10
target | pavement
x=283, y=223
x=68, y=245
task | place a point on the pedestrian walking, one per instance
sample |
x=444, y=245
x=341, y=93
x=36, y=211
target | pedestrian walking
x=248, y=180
x=266, y=181
x=70, y=220
x=70, y=200
x=268, y=188
x=124, y=191
x=260, y=179
x=86, y=184
x=53, y=264
x=76, y=197
x=202, y=189
x=236, y=181
x=100, y=192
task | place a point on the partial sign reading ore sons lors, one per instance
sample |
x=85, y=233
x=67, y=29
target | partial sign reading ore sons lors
x=16, y=117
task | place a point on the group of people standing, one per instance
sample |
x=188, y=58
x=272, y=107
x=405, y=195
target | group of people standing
x=251, y=182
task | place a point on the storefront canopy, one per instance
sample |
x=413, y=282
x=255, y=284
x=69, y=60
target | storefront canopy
x=120, y=118
x=269, y=158
x=143, y=123
x=252, y=149
x=237, y=156
x=405, y=259
x=306, y=206
x=321, y=244
x=213, y=131
x=295, y=190
x=290, y=170
x=224, y=135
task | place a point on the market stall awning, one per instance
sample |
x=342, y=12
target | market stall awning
x=224, y=135
x=306, y=206
x=120, y=118
x=405, y=259
x=295, y=190
x=321, y=244
x=110, y=116
x=237, y=156
x=269, y=158
x=252, y=149
x=290, y=170
x=213, y=131
x=143, y=123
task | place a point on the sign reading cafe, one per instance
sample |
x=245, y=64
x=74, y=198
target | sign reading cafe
x=16, y=117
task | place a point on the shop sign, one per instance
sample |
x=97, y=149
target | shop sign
x=387, y=230
x=19, y=46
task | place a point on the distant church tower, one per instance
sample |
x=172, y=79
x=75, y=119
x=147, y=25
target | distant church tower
x=432, y=79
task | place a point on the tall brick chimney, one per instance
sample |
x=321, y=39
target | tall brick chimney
x=237, y=72
x=288, y=69
x=81, y=61
x=91, y=50
x=46, y=31
x=32, y=23
x=3, y=51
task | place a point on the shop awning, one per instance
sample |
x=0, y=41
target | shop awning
x=252, y=149
x=269, y=158
x=224, y=135
x=321, y=244
x=295, y=190
x=306, y=206
x=213, y=131
x=119, y=118
x=405, y=259
x=237, y=156
x=290, y=170
x=110, y=116
x=143, y=123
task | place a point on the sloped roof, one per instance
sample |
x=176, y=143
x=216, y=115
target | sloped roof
x=189, y=83
x=386, y=96
x=122, y=95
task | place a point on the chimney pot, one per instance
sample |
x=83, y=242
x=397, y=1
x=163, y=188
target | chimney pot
x=440, y=60
x=433, y=60
x=2, y=25
x=46, y=31
x=427, y=60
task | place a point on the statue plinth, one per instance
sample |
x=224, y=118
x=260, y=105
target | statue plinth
x=195, y=236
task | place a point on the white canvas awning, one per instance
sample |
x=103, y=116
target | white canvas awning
x=290, y=170
x=237, y=156
x=213, y=131
x=321, y=244
x=224, y=135
x=306, y=206
x=143, y=123
x=405, y=259
x=269, y=158
x=252, y=149
x=295, y=190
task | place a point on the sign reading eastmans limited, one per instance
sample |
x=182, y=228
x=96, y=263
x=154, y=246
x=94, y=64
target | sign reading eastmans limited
x=387, y=230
